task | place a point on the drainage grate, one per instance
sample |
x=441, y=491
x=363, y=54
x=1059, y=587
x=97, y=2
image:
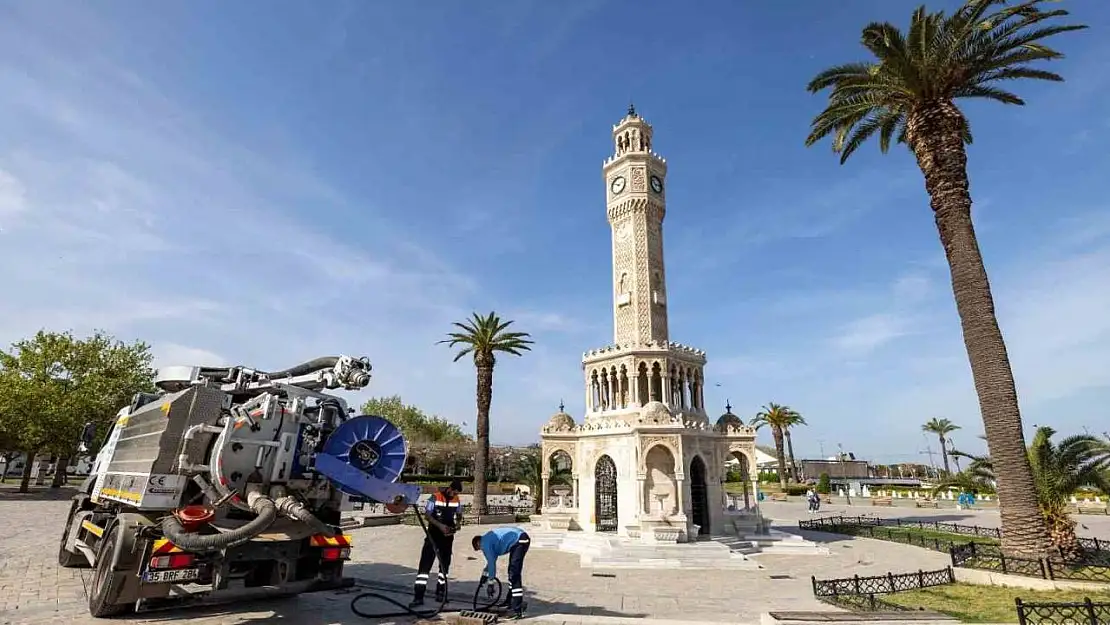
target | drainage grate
x=781, y=576
x=603, y=575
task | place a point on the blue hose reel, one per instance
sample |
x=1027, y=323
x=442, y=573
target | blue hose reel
x=364, y=457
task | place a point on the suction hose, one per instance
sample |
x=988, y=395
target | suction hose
x=295, y=509
x=260, y=504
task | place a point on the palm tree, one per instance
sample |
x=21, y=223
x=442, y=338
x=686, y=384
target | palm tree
x=795, y=419
x=942, y=428
x=482, y=337
x=779, y=418
x=908, y=93
x=1058, y=471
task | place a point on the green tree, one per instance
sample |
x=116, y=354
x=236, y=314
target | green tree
x=908, y=93
x=1059, y=470
x=482, y=338
x=824, y=484
x=414, y=423
x=55, y=383
x=942, y=428
x=778, y=418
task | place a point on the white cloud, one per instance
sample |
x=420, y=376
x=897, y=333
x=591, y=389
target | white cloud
x=121, y=210
x=864, y=335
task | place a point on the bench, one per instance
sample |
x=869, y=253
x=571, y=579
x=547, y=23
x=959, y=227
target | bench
x=1091, y=507
x=925, y=503
x=779, y=497
x=883, y=501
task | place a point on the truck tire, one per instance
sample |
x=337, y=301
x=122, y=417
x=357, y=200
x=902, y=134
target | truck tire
x=67, y=559
x=103, y=589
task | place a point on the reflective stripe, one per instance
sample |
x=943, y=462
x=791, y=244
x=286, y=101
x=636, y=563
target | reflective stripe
x=523, y=541
x=421, y=576
x=453, y=504
x=518, y=592
x=421, y=582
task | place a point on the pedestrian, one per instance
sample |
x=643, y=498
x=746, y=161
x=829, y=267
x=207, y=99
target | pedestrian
x=444, y=513
x=496, y=543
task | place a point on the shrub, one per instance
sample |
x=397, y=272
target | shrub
x=824, y=484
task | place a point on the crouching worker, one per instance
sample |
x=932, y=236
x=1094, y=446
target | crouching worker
x=496, y=543
x=444, y=514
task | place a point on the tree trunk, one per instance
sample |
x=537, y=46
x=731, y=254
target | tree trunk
x=793, y=462
x=944, y=454
x=25, y=479
x=935, y=135
x=776, y=432
x=484, y=366
x=60, y=472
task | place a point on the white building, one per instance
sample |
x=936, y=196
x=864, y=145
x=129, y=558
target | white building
x=645, y=460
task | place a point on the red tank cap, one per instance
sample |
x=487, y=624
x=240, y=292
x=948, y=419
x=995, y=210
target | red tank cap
x=193, y=517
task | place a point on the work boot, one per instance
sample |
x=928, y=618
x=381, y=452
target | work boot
x=441, y=594
x=416, y=603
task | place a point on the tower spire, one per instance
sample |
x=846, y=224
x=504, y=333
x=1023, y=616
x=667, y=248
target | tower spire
x=631, y=109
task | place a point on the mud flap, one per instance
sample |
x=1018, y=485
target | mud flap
x=128, y=557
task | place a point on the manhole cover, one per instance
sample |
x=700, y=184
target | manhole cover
x=604, y=575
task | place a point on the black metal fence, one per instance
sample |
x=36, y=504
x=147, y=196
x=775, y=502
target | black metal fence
x=860, y=592
x=1085, y=612
x=1093, y=565
x=991, y=558
x=824, y=524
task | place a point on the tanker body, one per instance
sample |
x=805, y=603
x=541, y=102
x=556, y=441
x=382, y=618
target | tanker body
x=228, y=484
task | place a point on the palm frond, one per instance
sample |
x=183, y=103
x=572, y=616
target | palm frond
x=940, y=58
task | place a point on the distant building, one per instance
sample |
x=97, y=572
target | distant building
x=842, y=469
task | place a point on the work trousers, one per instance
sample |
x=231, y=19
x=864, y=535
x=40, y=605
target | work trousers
x=443, y=545
x=516, y=571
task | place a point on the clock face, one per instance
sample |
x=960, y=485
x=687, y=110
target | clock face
x=617, y=185
x=656, y=184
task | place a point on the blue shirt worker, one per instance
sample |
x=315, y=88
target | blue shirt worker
x=444, y=513
x=496, y=543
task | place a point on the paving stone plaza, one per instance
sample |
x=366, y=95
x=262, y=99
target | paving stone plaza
x=35, y=591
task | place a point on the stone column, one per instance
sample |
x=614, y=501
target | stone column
x=614, y=390
x=542, y=495
x=680, y=483
x=574, y=491
x=640, y=479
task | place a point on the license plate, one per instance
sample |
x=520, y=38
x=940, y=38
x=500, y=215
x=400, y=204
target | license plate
x=170, y=577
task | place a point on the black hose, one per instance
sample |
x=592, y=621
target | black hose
x=202, y=543
x=325, y=362
x=405, y=610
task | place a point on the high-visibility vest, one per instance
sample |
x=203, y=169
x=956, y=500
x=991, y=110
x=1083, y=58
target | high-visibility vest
x=446, y=511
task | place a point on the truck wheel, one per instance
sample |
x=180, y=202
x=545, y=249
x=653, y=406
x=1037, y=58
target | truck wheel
x=67, y=559
x=104, y=581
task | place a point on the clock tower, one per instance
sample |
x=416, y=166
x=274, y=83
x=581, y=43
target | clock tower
x=636, y=203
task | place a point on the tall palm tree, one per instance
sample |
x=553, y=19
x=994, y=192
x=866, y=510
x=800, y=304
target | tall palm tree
x=1059, y=469
x=778, y=418
x=907, y=92
x=795, y=419
x=482, y=337
x=942, y=428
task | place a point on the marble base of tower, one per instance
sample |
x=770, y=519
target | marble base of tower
x=648, y=473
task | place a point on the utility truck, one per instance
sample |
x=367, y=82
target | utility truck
x=227, y=484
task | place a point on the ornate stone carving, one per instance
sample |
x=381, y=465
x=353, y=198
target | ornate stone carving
x=639, y=179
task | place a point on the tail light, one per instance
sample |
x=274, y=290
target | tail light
x=335, y=553
x=173, y=561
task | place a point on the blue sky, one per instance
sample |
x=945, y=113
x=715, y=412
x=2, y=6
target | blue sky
x=265, y=182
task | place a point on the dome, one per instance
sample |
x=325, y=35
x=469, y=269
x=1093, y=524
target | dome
x=728, y=420
x=655, y=412
x=560, y=421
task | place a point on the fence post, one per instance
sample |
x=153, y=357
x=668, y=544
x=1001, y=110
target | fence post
x=856, y=583
x=1044, y=572
x=1048, y=565
x=951, y=575
x=890, y=580
x=1087, y=603
x=1002, y=559
x=1020, y=610
x=936, y=544
x=813, y=580
x=920, y=578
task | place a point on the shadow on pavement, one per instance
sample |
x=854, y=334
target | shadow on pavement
x=333, y=607
x=37, y=493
